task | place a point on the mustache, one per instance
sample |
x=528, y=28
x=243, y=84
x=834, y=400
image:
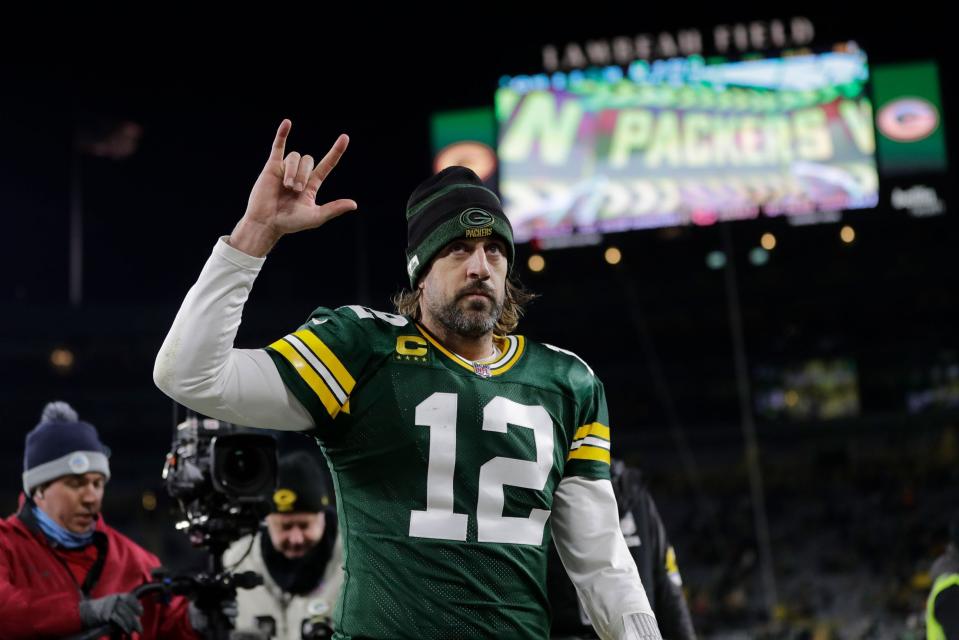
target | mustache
x=477, y=289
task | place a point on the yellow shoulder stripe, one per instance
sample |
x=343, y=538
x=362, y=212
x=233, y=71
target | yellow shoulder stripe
x=303, y=368
x=327, y=357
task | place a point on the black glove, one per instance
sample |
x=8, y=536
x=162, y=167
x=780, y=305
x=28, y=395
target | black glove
x=120, y=609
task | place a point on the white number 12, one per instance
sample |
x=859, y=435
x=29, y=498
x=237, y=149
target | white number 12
x=438, y=412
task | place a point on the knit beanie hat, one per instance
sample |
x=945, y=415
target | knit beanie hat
x=450, y=205
x=301, y=486
x=62, y=445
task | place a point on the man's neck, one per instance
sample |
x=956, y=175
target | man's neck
x=478, y=348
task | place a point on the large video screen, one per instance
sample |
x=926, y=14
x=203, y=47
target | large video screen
x=686, y=141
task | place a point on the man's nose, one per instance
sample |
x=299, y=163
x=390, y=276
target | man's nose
x=478, y=266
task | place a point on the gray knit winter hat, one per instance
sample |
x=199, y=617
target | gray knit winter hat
x=62, y=445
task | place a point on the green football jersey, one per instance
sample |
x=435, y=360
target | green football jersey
x=444, y=470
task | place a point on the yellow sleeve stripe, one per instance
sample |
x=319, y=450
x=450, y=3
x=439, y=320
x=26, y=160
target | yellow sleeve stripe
x=587, y=452
x=594, y=429
x=309, y=375
x=328, y=358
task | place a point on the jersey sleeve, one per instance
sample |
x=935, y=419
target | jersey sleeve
x=321, y=362
x=590, y=445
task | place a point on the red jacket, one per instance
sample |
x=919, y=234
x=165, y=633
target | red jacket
x=40, y=584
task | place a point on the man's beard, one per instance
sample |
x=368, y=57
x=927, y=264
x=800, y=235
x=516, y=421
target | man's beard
x=471, y=319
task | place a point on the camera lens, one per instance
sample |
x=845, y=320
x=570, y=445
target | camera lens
x=244, y=465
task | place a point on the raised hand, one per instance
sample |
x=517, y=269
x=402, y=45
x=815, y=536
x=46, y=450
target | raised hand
x=283, y=199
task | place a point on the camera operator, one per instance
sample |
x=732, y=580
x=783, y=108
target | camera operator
x=299, y=554
x=63, y=570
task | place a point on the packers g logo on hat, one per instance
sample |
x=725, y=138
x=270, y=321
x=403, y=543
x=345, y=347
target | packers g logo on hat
x=477, y=222
x=284, y=499
x=473, y=218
